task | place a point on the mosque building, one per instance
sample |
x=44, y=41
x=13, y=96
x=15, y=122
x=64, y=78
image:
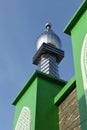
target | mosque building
x=47, y=102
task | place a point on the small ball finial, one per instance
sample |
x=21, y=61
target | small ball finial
x=48, y=26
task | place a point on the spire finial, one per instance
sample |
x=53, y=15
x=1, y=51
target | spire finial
x=48, y=26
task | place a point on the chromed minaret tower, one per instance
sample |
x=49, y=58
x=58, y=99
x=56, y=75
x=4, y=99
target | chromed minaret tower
x=49, y=52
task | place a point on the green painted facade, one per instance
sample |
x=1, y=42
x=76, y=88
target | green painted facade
x=38, y=94
x=77, y=28
x=28, y=99
x=43, y=93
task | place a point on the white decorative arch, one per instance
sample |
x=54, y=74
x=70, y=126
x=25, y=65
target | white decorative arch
x=84, y=65
x=24, y=120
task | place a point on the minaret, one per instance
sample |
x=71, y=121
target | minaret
x=35, y=108
x=49, y=52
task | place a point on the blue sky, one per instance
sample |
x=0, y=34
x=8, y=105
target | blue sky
x=21, y=22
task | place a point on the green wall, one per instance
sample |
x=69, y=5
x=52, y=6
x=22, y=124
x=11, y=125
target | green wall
x=78, y=34
x=28, y=99
x=47, y=112
x=38, y=94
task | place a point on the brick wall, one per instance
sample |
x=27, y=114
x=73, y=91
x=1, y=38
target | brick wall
x=69, y=114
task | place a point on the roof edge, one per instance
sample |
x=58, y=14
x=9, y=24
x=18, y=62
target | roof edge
x=65, y=91
x=76, y=17
x=35, y=75
x=24, y=88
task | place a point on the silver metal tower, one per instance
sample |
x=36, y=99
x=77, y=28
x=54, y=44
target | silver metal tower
x=49, y=52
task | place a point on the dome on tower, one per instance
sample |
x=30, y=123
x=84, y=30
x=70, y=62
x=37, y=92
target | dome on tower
x=49, y=37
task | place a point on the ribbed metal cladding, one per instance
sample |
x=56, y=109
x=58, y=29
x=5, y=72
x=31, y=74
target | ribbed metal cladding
x=49, y=65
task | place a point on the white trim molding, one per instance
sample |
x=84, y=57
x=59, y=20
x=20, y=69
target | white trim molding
x=84, y=65
x=24, y=120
